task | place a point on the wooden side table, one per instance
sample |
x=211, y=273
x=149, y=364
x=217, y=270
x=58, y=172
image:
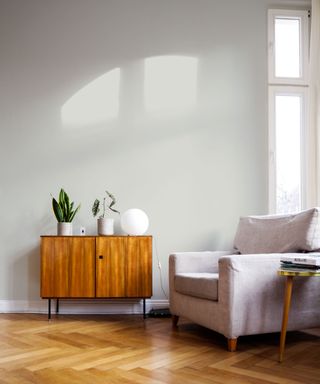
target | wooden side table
x=287, y=301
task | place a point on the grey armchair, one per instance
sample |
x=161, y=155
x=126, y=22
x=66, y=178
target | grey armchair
x=239, y=294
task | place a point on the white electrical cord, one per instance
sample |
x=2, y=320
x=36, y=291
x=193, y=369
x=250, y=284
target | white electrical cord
x=160, y=269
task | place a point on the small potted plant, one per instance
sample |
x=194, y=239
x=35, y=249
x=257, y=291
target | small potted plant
x=105, y=224
x=64, y=212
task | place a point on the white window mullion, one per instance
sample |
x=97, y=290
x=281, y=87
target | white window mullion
x=272, y=152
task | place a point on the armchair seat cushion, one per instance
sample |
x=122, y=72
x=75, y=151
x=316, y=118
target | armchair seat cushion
x=202, y=285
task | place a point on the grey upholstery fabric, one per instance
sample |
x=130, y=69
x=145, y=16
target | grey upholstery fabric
x=279, y=233
x=204, y=285
x=250, y=294
x=194, y=262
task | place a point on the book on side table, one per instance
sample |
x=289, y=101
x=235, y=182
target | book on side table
x=306, y=262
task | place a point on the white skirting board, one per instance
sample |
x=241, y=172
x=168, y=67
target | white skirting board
x=81, y=307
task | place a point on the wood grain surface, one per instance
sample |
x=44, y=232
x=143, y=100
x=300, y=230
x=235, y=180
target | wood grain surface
x=125, y=349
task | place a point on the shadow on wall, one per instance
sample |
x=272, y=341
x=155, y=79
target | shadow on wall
x=169, y=88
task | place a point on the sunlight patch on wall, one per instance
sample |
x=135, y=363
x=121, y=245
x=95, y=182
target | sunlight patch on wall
x=95, y=103
x=170, y=83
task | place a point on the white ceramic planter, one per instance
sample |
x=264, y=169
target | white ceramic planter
x=64, y=229
x=105, y=226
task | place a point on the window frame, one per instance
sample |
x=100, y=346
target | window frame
x=302, y=92
x=303, y=16
x=291, y=87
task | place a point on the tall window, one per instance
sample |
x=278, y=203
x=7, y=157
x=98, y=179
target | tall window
x=288, y=82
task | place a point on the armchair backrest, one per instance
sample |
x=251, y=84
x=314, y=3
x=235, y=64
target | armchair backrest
x=296, y=232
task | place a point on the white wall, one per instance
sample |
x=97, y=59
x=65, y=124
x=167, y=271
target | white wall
x=193, y=172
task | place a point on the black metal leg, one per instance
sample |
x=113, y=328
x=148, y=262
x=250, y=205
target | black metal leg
x=57, y=305
x=144, y=308
x=49, y=309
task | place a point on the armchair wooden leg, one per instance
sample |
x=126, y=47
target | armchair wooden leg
x=232, y=345
x=175, y=320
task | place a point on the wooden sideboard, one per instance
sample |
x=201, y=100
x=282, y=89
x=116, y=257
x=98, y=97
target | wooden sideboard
x=96, y=267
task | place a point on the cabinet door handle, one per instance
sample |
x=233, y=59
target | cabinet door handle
x=100, y=257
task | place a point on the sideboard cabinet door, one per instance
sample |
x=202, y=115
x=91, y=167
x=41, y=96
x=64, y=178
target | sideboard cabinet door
x=139, y=266
x=82, y=267
x=124, y=266
x=67, y=267
x=110, y=266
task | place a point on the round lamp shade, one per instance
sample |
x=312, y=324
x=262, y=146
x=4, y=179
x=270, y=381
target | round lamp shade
x=134, y=222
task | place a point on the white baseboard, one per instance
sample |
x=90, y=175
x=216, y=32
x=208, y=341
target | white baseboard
x=85, y=306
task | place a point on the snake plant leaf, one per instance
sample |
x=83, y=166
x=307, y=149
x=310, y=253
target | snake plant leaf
x=63, y=209
x=62, y=203
x=61, y=196
x=57, y=210
x=70, y=210
x=74, y=213
x=67, y=205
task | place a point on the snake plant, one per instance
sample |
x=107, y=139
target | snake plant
x=64, y=209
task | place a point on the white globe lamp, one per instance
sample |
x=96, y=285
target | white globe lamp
x=134, y=222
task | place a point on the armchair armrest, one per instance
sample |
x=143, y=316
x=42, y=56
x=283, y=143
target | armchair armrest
x=241, y=277
x=257, y=264
x=184, y=262
x=251, y=293
x=206, y=261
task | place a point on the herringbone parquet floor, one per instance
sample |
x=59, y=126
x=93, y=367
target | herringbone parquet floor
x=126, y=349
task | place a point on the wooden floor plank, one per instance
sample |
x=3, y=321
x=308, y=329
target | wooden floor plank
x=126, y=349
